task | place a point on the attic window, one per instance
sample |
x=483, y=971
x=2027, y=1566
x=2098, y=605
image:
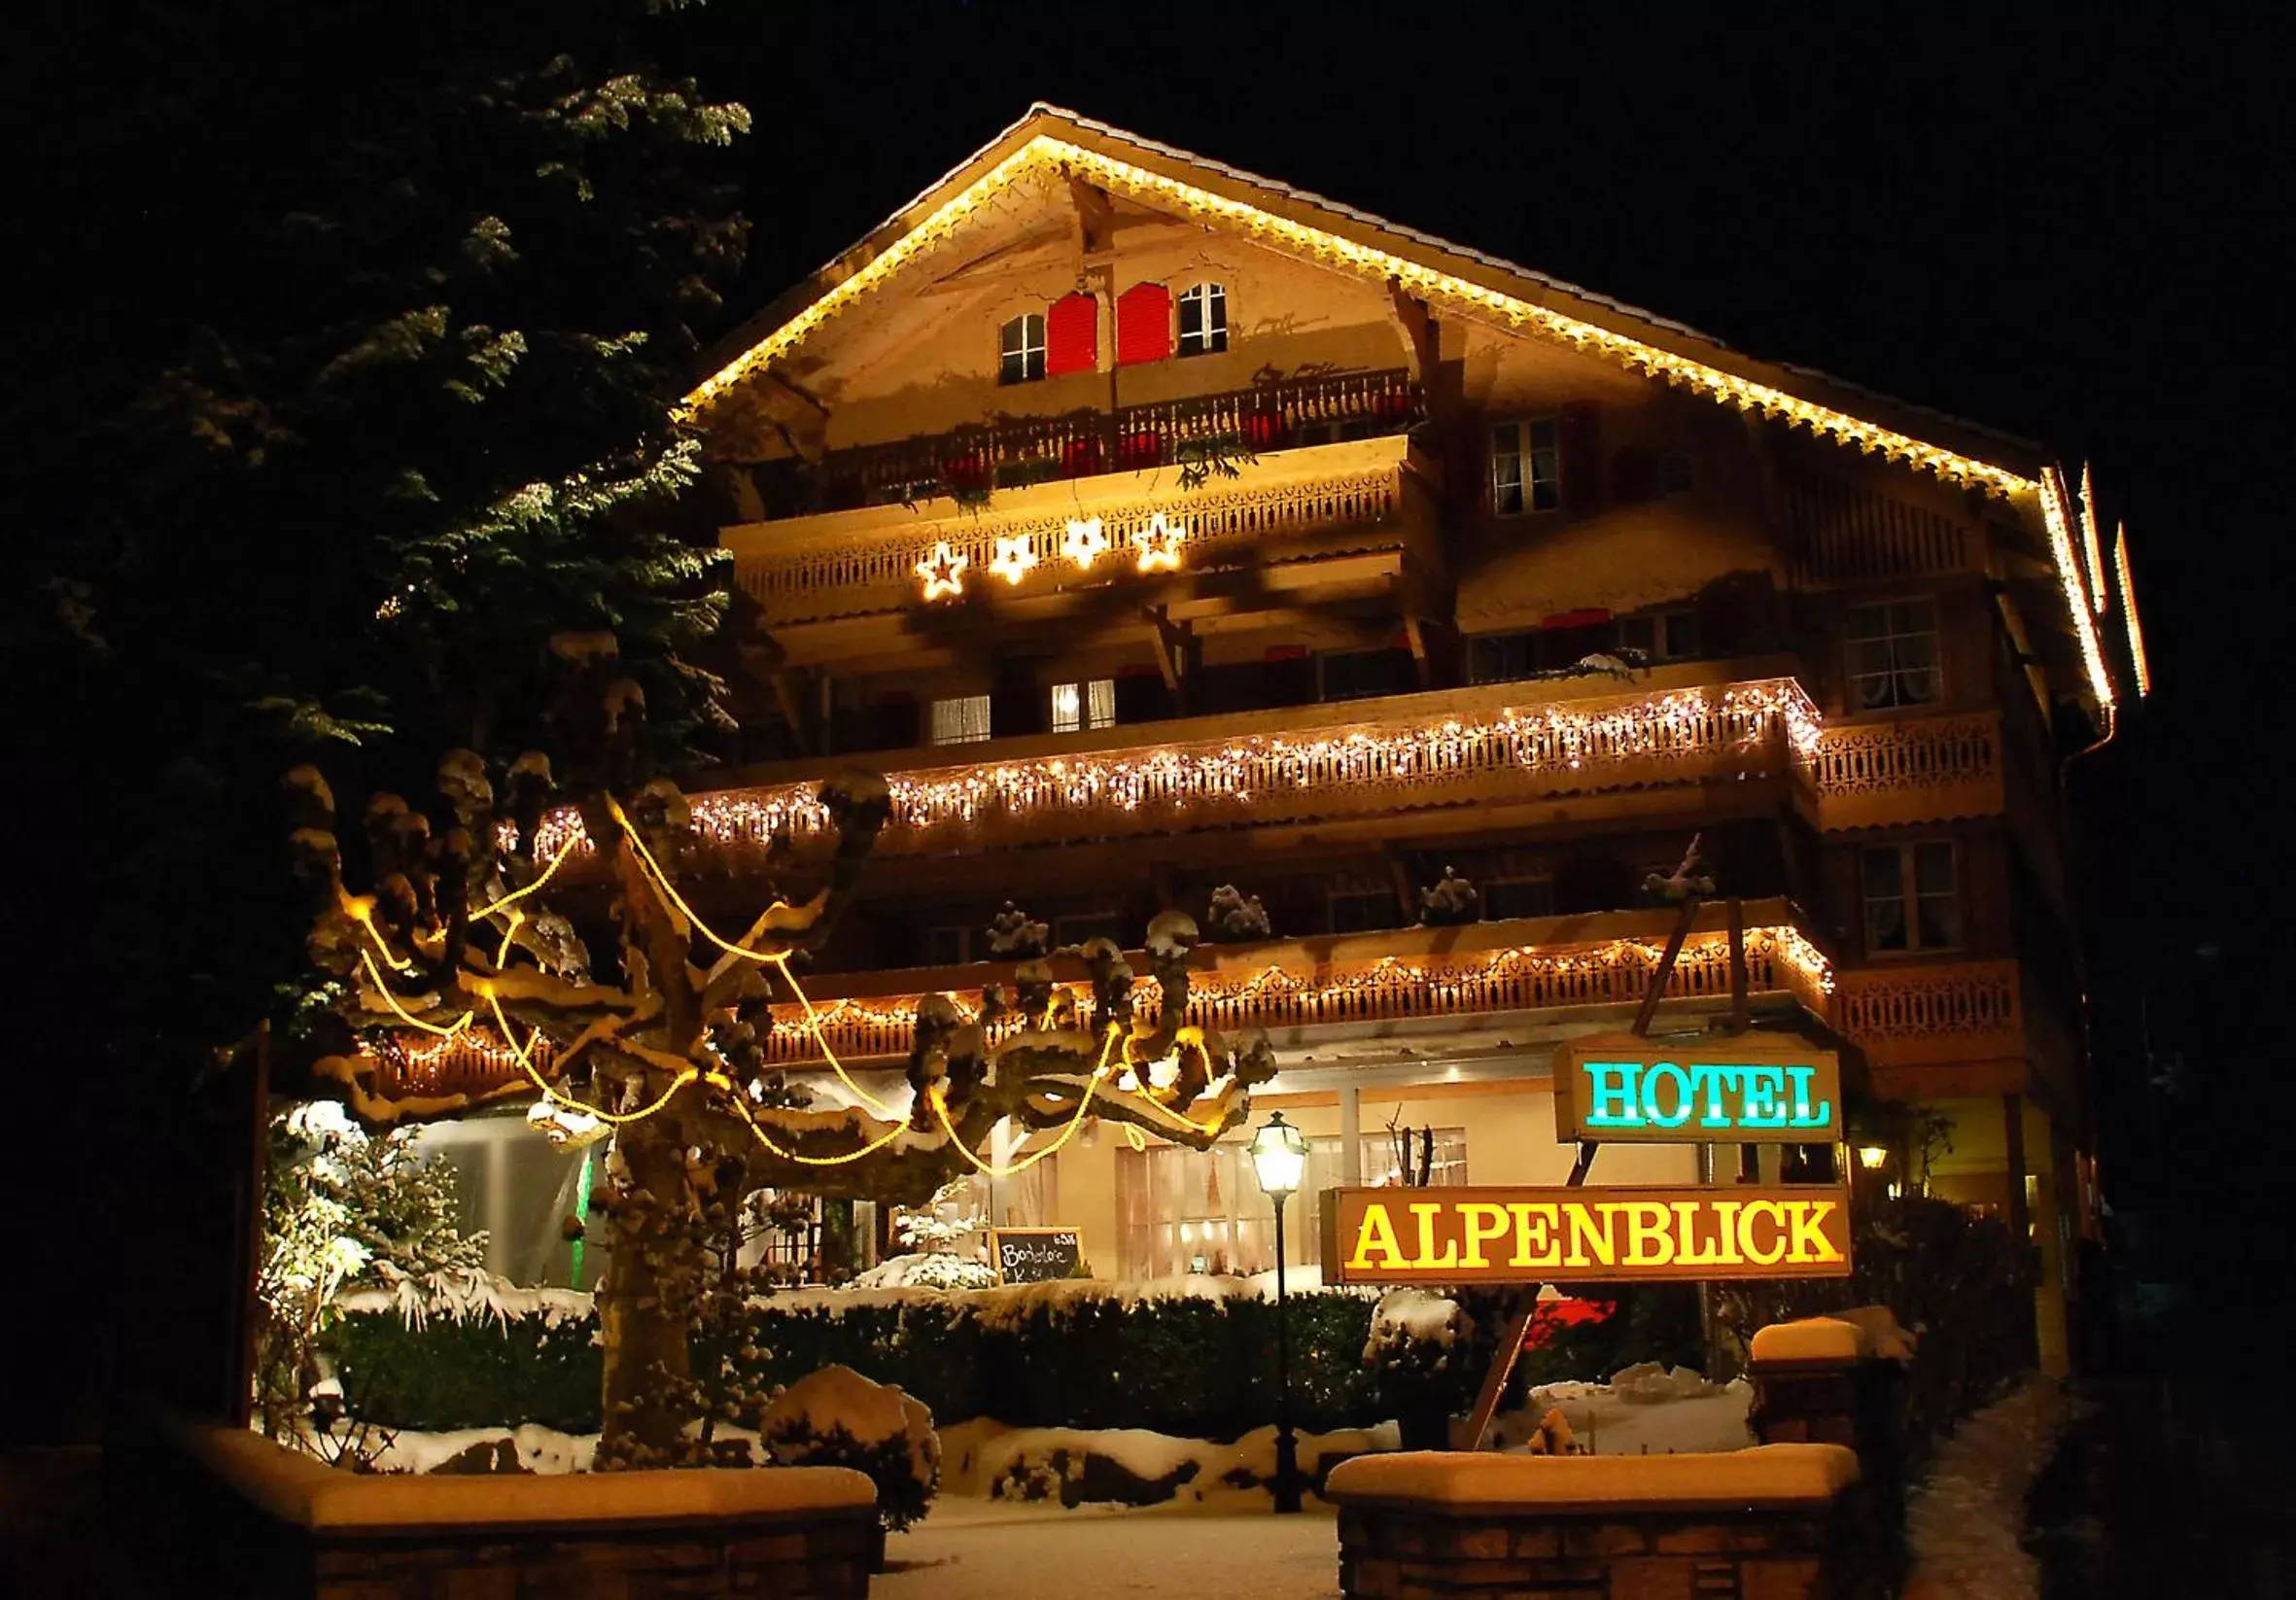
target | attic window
x=1203, y=320
x=1021, y=349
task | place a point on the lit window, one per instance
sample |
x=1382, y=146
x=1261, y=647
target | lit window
x=1022, y=350
x=1912, y=896
x=1892, y=655
x=1526, y=466
x=1203, y=320
x=1077, y=706
x=963, y=721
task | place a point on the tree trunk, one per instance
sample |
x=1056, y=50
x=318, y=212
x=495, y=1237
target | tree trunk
x=644, y=1304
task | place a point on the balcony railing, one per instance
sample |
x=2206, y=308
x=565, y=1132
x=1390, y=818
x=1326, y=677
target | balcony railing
x=852, y=563
x=1464, y=748
x=1902, y=1017
x=1872, y=775
x=1012, y=451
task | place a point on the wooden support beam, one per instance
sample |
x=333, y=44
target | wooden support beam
x=1172, y=642
x=1096, y=216
x=1418, y=329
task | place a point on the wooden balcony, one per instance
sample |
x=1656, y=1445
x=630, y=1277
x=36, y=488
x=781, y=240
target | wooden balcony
x=1887, y=774
x=1927, y=1029
x=864, y=562
x=1013, y=451
x=1491, y=745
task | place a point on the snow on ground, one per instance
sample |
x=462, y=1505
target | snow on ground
x=1231, y=1543
x=1965, y=1521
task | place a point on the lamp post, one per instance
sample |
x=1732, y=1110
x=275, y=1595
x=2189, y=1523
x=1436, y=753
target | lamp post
x=1279, y=1157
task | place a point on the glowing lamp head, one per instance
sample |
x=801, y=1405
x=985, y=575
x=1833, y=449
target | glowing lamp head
x=1279, y=1157
x=1873, y=1157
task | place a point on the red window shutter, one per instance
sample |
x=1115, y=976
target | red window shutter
x=1072, y=335
x=1580, y=449
x=1575, y=619
x=1285, y=652
x=1143, y=324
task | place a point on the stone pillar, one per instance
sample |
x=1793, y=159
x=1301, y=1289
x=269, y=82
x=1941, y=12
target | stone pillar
x=1350, y=1134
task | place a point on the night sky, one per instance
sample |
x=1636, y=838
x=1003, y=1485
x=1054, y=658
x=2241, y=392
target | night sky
x=2073, y=231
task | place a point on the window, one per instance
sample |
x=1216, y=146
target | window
x=1187, y=1211
x=1360, y=675
x=1088, y=924
x=1912, y=896
x=1021, y=349
x=1526, y=466
x=963, y=721
x=1359, y=910
x=951, y=945
x=1504, y=898
x=1203, y=320
x=1892, y=655
x=1661, y=636
x=1502, y=658
x=1080, y=705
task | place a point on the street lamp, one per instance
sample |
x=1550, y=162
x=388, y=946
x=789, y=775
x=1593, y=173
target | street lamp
x=1279, y=1157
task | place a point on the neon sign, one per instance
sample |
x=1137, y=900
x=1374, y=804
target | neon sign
x=1753, y=1089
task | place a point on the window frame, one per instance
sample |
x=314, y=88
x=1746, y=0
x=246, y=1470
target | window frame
x=1534, y=444
x=967, y=935
x=1662, y=623
x=1091, y=708
x=1515, y=880
x=947, y=704
x=1010, y=349
x=1854, y=701
x=1211, y=336
x=1910, y=896
x=1332, y=895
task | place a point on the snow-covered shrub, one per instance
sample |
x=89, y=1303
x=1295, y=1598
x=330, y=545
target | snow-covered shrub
x=1451, y=902
x=1236, y=919
x=1014, y=935
x=928, y=1269
x=836, y=1417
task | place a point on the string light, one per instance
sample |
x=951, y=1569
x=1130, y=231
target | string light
x=2054, y=515
x=1085, y=541
x=2120, y=561
x=938, y=1095
x=1014, y=558
x=1562, y=737
x=1159, y=544
x=382, y=988
x=515, y=895
x=943, y=571
x=2095, y=564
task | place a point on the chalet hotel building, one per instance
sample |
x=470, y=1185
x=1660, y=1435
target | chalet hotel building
x=1157, y=529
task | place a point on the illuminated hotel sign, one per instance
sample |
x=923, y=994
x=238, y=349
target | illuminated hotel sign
x=1601, y=1236
x=1746, y=1089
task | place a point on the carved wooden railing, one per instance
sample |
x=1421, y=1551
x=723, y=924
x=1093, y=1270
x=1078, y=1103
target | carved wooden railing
x=1284, y=985
x=851, y=562
x=1912, y=1015
x=1463, y=747
x=1838, y=533
x=1871, y=775
x=1278, y=415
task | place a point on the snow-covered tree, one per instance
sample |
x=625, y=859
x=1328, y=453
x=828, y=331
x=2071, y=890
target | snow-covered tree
x=661, y=1035
x=1235, y=918
x=1449, y=902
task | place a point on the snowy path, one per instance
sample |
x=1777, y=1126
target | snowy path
x=971, y=1549
x=1966, y=1521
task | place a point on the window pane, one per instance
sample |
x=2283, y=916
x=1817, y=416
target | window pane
x=1100, y=702
x=1933, y=868
x=1191, y=316
x=961, y=722
x=1068, y=709
x=1884, y=871
x=1682, y=634
x=1913, y=616
x=1866, y=621
x=1940, y=920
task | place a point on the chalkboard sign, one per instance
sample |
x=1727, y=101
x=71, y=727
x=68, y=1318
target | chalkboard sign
x=1035, y=1255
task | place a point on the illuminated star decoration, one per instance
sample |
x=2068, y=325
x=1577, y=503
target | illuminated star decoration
x=1159, y=544
x=943, y=571
x=1085, y=541
x=1014, y=558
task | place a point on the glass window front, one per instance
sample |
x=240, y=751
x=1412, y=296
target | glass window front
x=1892, y=655
x=1021, y=350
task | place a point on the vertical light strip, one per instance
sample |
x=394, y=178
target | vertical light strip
x=2056, y=515
x=2091, y=548
x=2120, y=561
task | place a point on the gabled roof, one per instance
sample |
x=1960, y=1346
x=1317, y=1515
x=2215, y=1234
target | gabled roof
x=1050, y=140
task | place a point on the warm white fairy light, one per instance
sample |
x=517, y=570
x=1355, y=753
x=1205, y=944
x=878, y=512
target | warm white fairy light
x=1560, y=738
x=2057, y=517
x=943, y=571
x=1159, y=544
x=2120, y=561
x=1085, y=541
x=1014, y=558
x=2091, y=546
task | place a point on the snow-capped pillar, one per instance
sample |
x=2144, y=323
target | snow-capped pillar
x=1350, y=1135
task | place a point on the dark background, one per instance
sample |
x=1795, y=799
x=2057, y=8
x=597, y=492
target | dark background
x=2072, y=228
